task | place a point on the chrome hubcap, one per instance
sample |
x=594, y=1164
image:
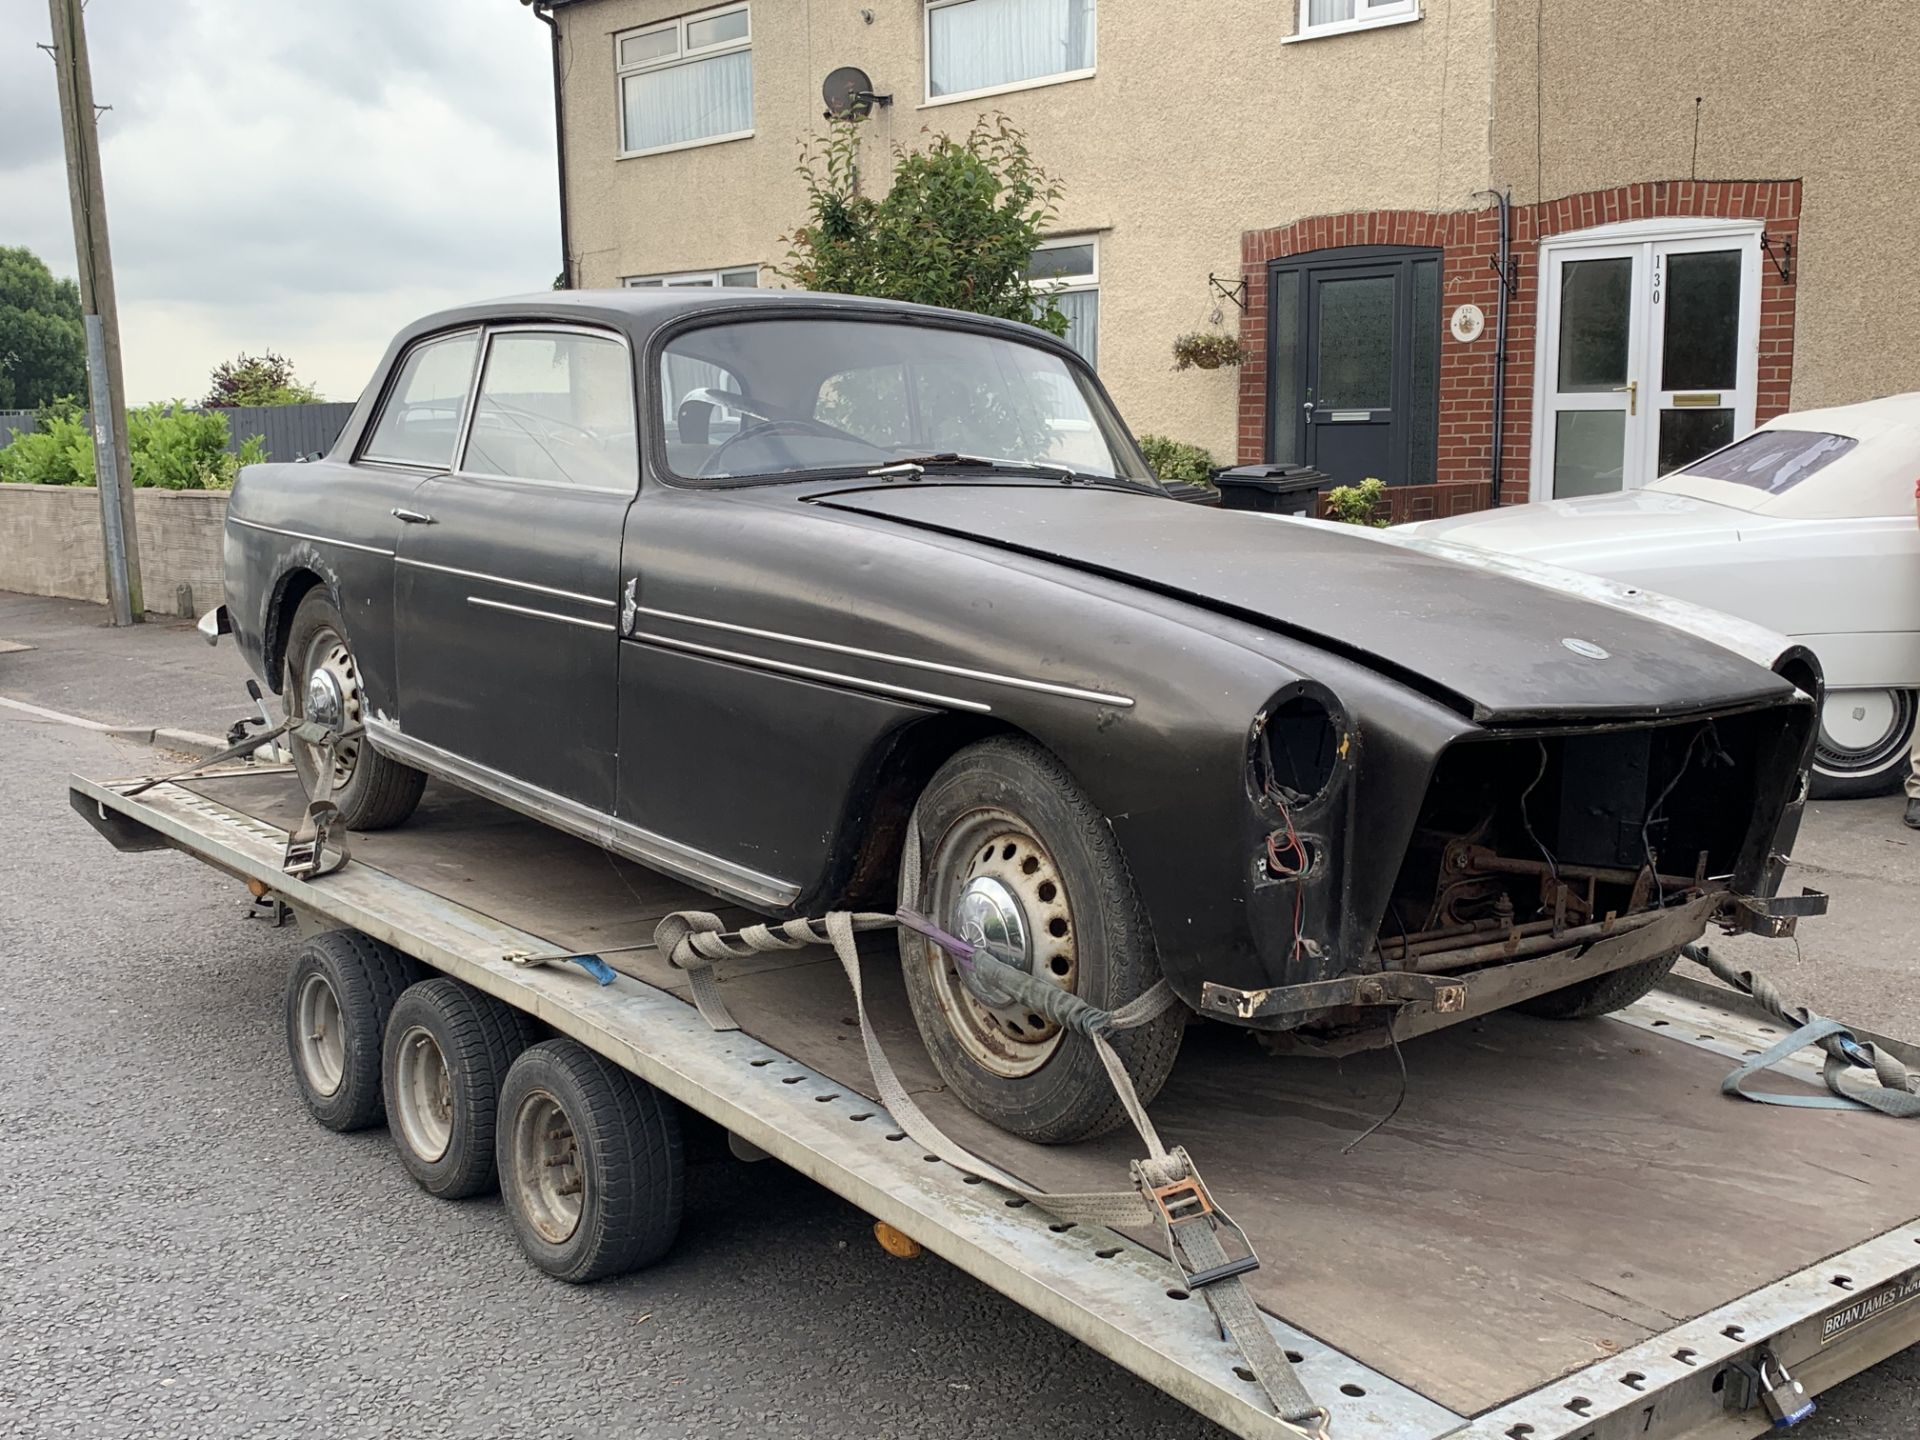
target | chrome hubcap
x=325, y=704
x=330, y=696
x=999, y=888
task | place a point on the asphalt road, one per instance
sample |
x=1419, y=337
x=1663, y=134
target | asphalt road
x=184, y=1253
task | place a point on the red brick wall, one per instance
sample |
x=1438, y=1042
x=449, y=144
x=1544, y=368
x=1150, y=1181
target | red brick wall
x=1470, y=242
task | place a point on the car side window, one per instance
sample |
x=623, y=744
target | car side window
x=555, y=406
x=420, y=422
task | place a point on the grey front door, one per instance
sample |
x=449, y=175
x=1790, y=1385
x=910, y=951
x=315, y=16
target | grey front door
x=1353, y=362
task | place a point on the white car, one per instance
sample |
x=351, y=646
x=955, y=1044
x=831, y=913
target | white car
x=1806, y=526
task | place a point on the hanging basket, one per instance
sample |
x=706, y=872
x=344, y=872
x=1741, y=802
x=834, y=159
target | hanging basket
x=1207, y=350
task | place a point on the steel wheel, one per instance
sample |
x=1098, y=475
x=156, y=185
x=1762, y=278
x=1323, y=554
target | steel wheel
x=326, y=689
x=423, y=1094
x=323, y=1039
x=996, y=885
x=551, y=1181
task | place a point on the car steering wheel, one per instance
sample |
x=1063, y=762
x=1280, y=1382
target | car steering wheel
x=783, y=424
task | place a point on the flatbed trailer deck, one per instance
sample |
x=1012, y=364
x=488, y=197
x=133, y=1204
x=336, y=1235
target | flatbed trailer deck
x=1567, y=1231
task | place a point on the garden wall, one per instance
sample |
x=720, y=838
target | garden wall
x=50, y=544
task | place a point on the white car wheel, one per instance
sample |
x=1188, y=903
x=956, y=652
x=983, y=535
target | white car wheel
x=1865, y=737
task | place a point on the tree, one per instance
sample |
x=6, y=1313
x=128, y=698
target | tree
x=265, y=379
x=43, y=346
x=956, y=228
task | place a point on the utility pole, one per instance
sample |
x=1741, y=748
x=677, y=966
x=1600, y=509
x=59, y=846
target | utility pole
x=113, y=472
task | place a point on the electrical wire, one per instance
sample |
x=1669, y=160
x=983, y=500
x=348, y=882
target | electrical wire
x=1553, y=866
x=1398, y=1100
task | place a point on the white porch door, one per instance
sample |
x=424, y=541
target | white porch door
x=1649, y=352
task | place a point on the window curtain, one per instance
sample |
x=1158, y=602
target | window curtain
x=689, y=102
x=1326, y=12
x=984, y=43
x=1082, y=309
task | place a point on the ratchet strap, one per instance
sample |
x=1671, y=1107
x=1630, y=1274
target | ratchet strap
x=1168, y=1193
x=317, y=845
x=1895, y=1094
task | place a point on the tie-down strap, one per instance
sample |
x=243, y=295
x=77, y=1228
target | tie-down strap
x=1896, y=1093
x=1168, y=1193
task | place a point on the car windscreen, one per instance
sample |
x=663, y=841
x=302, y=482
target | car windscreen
x=1773, y=460
x=770, y=397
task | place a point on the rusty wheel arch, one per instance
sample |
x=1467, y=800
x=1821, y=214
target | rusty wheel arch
x=288, y=592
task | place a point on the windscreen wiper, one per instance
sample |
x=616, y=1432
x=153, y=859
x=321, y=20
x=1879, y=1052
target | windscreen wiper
x=945, y=459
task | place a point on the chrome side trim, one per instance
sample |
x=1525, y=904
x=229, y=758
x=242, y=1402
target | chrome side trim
x=502, y=580
x=303, y=535
x=541, y=614
x=832, y=677
x=683, y=862
x=1017, y=682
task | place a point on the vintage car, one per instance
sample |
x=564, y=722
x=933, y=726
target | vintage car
x=1805, y=526
x=741, y=585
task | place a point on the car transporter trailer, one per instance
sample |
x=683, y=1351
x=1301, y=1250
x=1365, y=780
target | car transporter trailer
x=1567, y=1230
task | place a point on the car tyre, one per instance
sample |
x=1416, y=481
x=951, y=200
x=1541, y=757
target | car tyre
x=1601, y=994
x=591, y=1165
x=1862, y=775
x=1003, y=824
x=447, y=1051
x=339, y=995
x=372, y=791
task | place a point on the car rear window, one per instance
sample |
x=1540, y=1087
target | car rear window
x=1773, y=460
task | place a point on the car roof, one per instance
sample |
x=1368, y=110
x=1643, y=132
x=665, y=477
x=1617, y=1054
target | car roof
x=1876, y=477
x=639, y=310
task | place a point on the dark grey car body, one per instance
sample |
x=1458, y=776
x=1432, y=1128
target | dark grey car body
x=747, y=684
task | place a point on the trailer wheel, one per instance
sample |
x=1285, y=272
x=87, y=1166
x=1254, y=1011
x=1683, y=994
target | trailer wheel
x=342, y=988
x=1014, y=850
x=1601, y=994
x=447, y=1050
x=591, y=1167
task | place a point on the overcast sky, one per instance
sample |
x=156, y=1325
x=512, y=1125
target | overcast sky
x=304, y=176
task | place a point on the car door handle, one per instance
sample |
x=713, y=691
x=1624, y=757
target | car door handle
x=411, y=517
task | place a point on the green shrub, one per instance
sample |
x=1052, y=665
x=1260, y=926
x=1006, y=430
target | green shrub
x=1175, y=460
x=171, y=447
x=1357, y=504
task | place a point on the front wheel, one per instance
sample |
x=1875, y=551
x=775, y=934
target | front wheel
x=1865, y=739
x=323, y=684
x=1015, y=856
x=1601, y=994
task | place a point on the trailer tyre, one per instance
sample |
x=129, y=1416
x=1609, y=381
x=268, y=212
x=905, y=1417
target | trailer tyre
x=448, y=1048
x=1013, y=848
x=1602, y=994
x=591, y=1166
x=343, y=987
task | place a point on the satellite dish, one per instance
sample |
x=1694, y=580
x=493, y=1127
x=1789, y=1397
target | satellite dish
x=848, y=92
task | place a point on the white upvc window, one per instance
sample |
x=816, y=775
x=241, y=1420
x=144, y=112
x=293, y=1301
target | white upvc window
x=737, y=276
x=1068, y=268
x=685, y=82
x=1339, y=17
x=988, y=47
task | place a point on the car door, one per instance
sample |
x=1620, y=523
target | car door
x=506, y=577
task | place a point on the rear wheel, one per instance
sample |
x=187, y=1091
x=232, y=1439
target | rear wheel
x=1014, y=855
x=1602, y=994
x=1864, y=742
x=342, y=989
x=323, y=684
x=591, y=1166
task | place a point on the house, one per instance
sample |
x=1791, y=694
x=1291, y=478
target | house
x=1679, y=218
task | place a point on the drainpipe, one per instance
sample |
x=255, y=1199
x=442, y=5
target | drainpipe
x=1505, y=201
x=543, y=12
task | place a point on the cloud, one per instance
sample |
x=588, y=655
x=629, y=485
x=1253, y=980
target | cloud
x=292, y=176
